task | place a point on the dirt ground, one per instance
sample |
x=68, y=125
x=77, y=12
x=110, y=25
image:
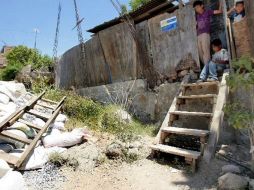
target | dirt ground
x=144, y=174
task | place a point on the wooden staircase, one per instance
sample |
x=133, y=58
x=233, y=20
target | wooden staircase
x=186, y=109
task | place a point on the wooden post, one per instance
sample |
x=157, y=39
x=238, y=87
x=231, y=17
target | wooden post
x=224, y=5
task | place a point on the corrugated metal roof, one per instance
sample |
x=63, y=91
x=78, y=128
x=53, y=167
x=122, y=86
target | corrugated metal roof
x=148, y=7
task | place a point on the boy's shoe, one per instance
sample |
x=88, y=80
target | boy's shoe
x=200, y=80
x=212, y=80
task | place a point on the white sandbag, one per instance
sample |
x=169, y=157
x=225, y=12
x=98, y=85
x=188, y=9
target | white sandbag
x=6, y=140
x=4, y=168
x=4, y=99
x=16, y=89
x=58, y=125
x=8, y=108
x=5, y=91
x=39, y=157
x=65, y=139
x=30, y=133
x=12, y=181
x=6, y=148
x=31, y=118
x=61, y=118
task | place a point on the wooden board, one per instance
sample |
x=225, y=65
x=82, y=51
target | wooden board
x=169, y=48
x=176, y=151
x=120, y=52
x=184, y=131
x=186, y=113
x=198, y=96
x=15, y=137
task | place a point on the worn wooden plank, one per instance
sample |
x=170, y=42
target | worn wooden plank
x=39, y=114
x=143, y=36
x=45, y=105
x=169, y=48
x=49, y=101
x=29, y=104
x=184, y=131
x=201, y=84
x=176, y=151
x=186, y=113
x=15, y=137
x=120, y=52
x=98, y=70
x=30, y=148
x=29, y=124
x=198, y=96
x=217, y=120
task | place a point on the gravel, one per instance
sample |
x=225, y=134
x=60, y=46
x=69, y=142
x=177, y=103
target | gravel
x=43, y=179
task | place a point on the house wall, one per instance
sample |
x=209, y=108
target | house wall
x=112, y=54
x=249, y=4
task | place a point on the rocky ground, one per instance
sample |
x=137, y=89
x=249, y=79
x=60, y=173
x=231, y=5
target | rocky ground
x=95, y=171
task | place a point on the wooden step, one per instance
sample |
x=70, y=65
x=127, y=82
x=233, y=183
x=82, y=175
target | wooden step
x=29, y=124
x=15, y=137
x=184, y=131
x=186, y=113
x=176, y=151
x=198, y=96
x=39, y=114
x=46, y=106
x=201, y=84
x=49, y=101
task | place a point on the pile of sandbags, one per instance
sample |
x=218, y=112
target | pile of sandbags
x=10, y=180
x=12, y=95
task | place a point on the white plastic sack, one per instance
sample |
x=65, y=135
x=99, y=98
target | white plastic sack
x=30, y=133
x=66, y=139
x=31, y=118
x=8, y=108
x=4, y=99
x=61, y=118
x=39, y=157
x=12, y=181
x=58, y=125
x=15, y=89
x=4, y=168
x=6, y=148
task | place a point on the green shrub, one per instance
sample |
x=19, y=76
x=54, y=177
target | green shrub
x=21, y=56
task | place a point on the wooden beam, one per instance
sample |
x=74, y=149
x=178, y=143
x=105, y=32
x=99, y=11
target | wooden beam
x=28, y=105
x=186, y=113
x=30, y=148
x=15, y=137
x=29, y=124
x=184, y=131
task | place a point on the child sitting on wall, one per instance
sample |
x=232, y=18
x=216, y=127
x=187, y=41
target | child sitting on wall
x=220, y=60
x=237, y=13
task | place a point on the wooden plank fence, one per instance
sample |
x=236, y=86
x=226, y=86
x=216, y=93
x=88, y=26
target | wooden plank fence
x=112, y=55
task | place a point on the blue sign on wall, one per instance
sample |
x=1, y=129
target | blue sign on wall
x=169, y=24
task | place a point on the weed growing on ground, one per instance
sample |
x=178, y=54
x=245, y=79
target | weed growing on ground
x=84, y=112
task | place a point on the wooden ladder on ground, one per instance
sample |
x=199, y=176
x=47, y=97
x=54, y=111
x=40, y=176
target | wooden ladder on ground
x=213, y=93
x=28, y=108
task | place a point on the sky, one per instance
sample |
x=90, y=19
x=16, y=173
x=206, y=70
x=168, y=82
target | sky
x=19, y=18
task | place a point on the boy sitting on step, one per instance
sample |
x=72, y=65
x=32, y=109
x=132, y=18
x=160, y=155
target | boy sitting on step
x=220, y=60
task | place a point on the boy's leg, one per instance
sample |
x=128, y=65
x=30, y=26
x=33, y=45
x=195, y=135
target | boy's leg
x=200, y=49
x=206, y=47
x=213, y=67
x=205, y=72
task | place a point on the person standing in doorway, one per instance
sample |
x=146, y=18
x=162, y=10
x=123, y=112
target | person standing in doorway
x=203, y=18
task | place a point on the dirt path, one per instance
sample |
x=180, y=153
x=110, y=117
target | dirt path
x=142, y=175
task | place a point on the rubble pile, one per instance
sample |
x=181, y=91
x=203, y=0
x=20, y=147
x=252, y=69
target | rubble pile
x=56, y=140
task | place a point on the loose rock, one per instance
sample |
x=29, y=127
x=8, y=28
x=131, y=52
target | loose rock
x=231, y=169
x=231, y=181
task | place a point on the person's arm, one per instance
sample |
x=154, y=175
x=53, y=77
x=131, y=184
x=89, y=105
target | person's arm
x=219, y=11
x=231, y=11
